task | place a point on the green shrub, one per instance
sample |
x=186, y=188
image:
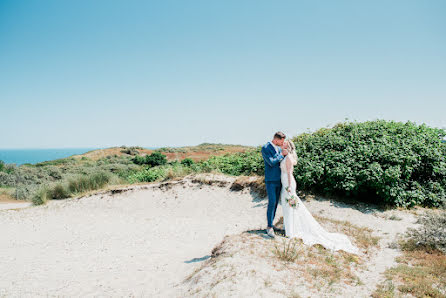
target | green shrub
x=385, y=162
x=156, y=159
x=41, y=196
x=247, y=163
x=58, y=192
x=187, y=162
x=2, y=165
x=177, y=170
x=139, y=160
x=149, y=175
x=152, y=160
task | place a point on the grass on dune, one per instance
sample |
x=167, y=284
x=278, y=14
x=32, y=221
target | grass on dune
x=421, y=270
x=74, y=186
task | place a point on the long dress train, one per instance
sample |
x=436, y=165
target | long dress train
x=298, y=222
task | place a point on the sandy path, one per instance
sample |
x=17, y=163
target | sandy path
x=136, y=243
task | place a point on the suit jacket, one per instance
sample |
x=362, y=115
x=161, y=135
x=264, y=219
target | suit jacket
x=272, y=161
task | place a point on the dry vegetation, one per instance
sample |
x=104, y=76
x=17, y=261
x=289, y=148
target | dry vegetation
x=298, y=267
x=255, y=184
x=196, y=153
x=6, y=195
x=421, y=269
x=419, y=273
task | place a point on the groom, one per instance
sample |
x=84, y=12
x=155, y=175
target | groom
x=272, y=156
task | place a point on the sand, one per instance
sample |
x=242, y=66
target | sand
x=15, y=205
x=145, y=240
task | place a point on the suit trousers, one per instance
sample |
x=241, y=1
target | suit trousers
x=273, y=189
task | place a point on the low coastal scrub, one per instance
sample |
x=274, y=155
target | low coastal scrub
x=82, y=184
x=384, y=162
x=237, y=164
x=421, y=270
x=27, y=180
x=74, y=186
x=430, y=236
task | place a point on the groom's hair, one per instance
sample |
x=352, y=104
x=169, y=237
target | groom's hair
x=279, y=135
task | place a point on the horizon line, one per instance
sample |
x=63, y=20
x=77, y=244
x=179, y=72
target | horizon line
x=107, y=147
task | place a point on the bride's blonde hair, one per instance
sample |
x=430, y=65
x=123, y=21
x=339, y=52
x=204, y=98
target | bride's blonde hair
x=292, y=149
x=291, y=145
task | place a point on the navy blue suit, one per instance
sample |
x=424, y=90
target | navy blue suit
x=272, y=161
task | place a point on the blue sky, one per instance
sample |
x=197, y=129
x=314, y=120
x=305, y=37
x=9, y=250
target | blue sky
x=171, y=73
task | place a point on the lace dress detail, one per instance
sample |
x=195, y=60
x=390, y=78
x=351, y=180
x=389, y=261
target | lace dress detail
x=299, y=222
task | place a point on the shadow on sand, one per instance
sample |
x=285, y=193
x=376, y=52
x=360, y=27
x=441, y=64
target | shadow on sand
x=196, y=260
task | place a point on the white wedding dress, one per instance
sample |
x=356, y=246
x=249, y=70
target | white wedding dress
x=298, y=222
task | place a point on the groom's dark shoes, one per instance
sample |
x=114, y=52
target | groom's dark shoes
x=270, y=232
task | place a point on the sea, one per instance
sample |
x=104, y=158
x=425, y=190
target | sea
x=32, y=156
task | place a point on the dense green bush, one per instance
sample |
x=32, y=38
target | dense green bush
x=148, y=175
x=156, y=159
x=247, y=163
x=152, y=160
x=2, y=165
x=385, y=162
x=187, y=162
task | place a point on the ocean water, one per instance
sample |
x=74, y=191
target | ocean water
x=21, y=156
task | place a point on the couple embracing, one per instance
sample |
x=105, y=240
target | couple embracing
x=280, y=158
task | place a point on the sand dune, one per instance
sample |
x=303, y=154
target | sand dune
x=140, y=242
x=144, y=240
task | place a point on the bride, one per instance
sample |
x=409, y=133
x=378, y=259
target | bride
x=297, y=220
